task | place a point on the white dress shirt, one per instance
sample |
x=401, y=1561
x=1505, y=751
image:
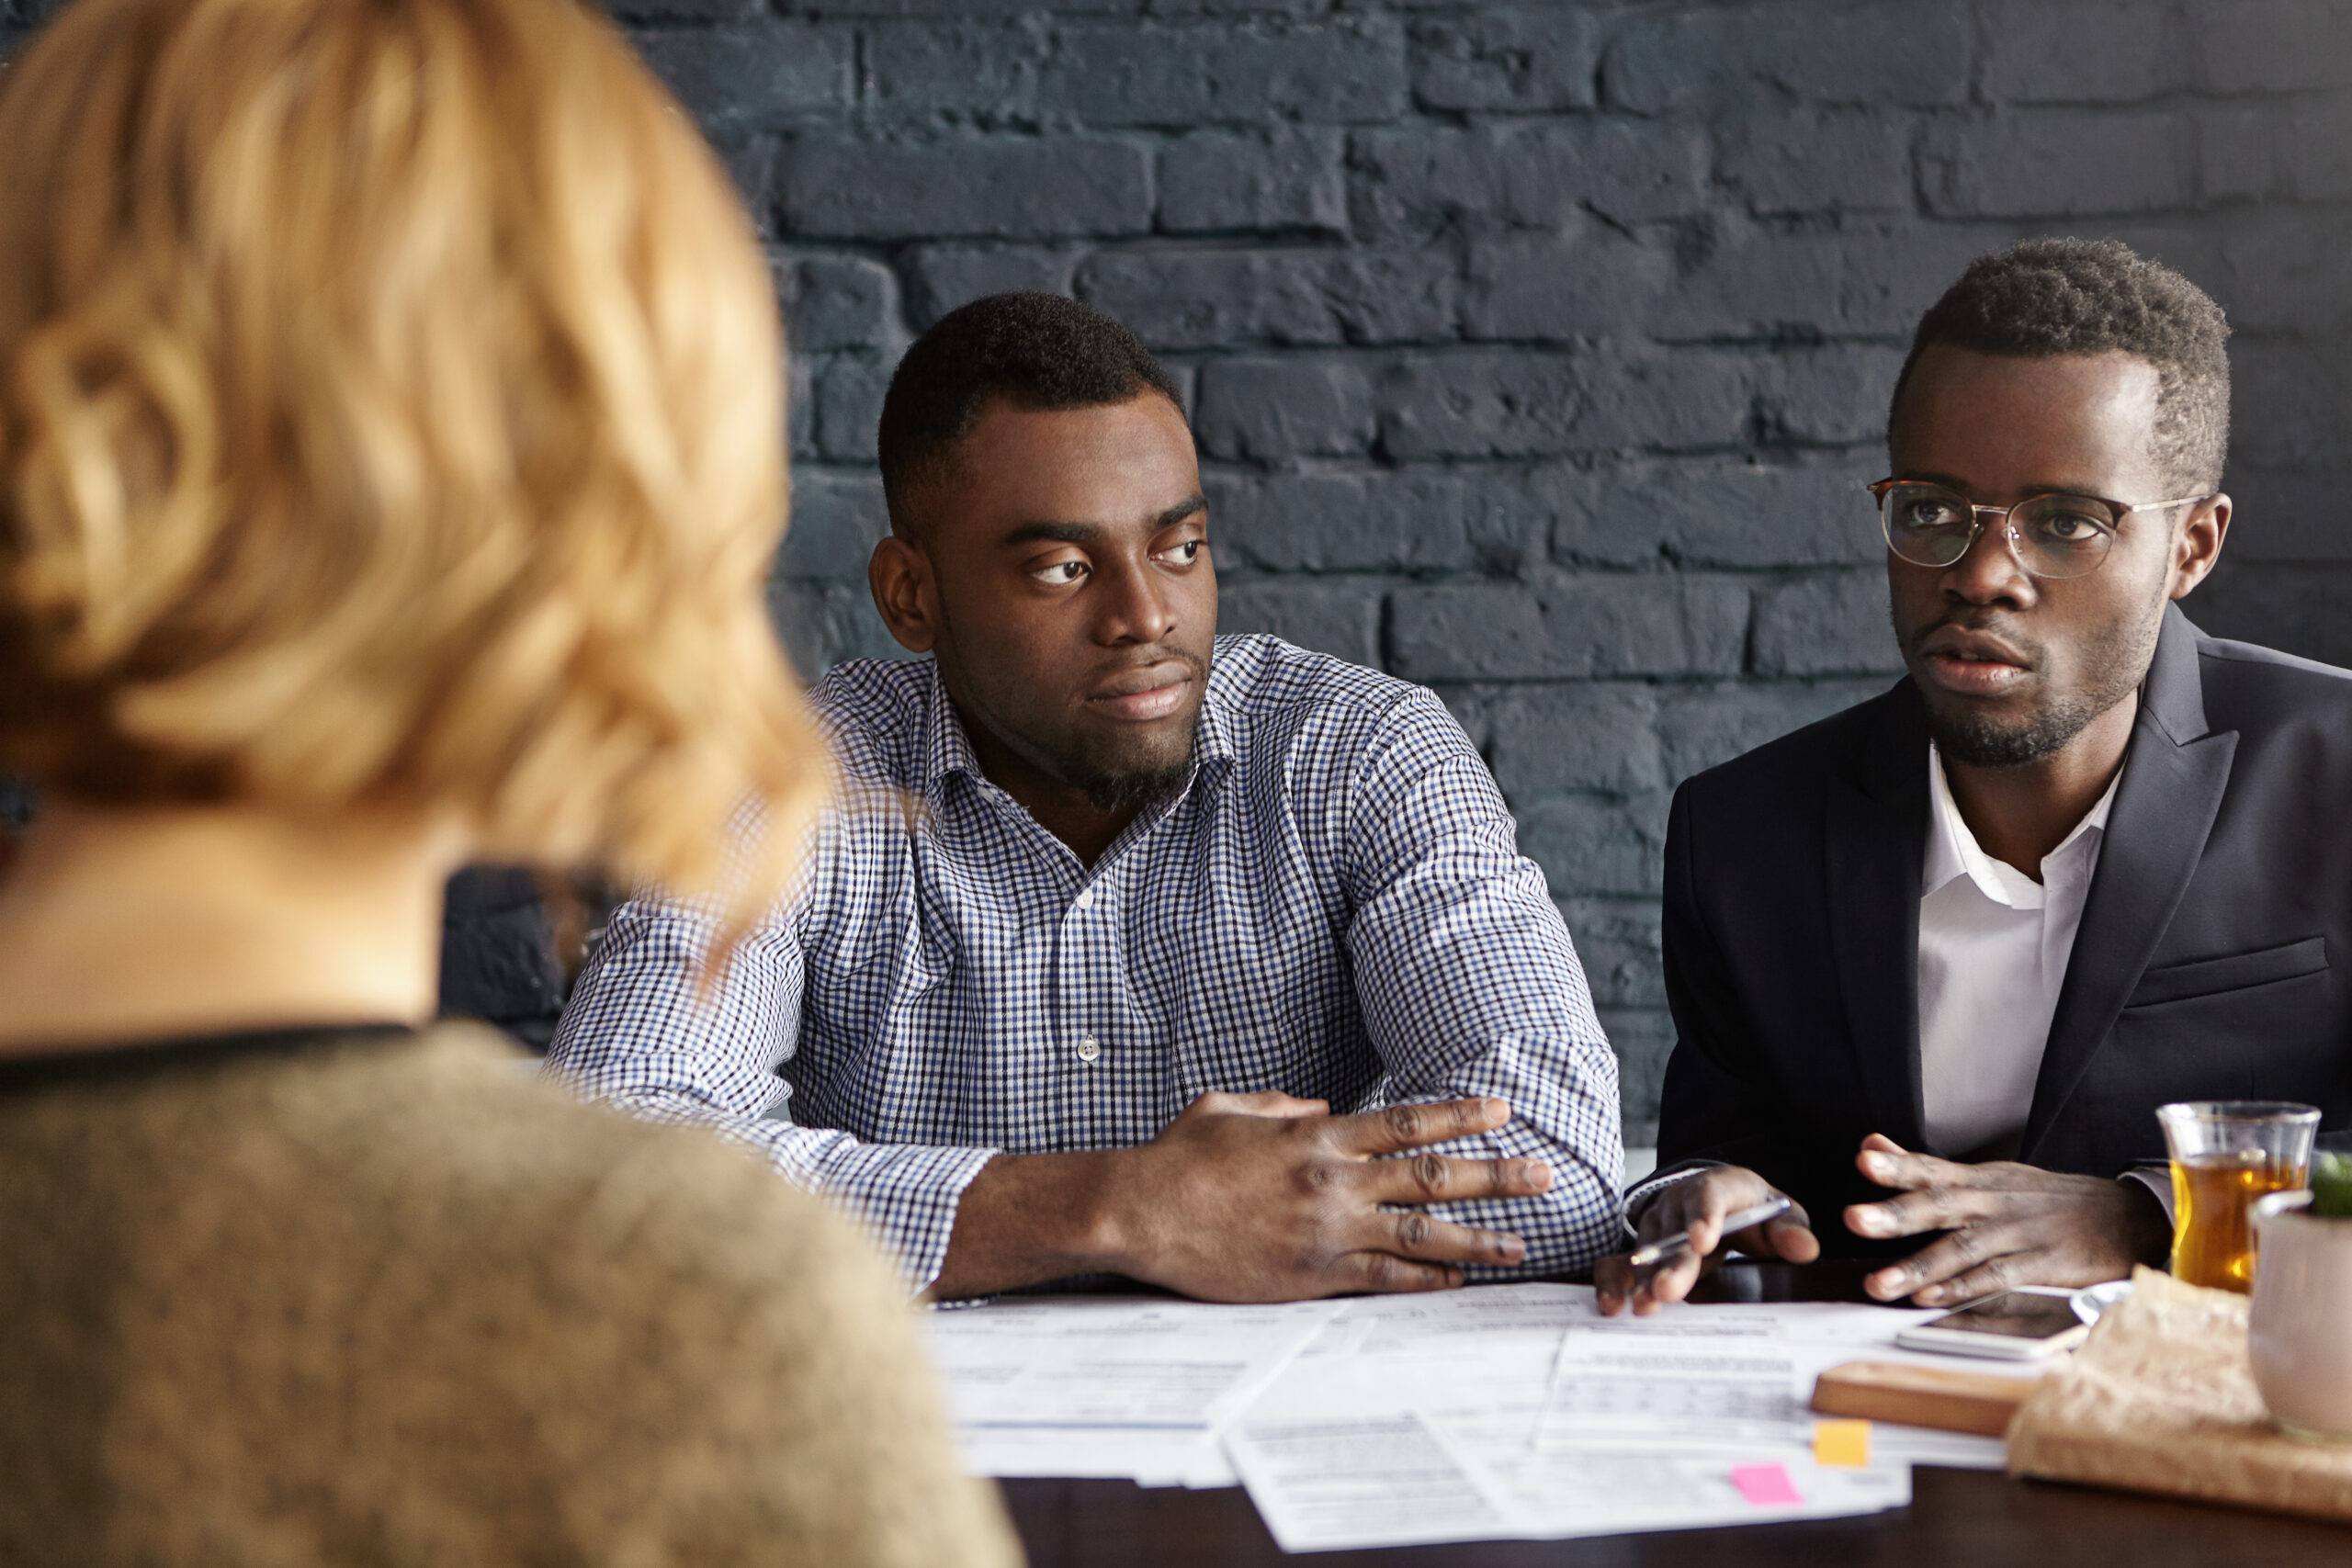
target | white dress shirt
x=1993, y=945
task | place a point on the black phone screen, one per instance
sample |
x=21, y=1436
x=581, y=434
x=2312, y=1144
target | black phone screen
x=2014, y=1315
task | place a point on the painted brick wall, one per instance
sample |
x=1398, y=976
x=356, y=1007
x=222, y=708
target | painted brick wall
x=1536, y=350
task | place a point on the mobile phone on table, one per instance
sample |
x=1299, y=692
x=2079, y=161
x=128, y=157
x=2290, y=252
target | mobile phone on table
x=2015, y=1325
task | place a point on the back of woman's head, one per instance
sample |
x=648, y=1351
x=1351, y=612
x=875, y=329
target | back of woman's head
x=389, y=414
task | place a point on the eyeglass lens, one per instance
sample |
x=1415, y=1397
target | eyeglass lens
x=2057, y=535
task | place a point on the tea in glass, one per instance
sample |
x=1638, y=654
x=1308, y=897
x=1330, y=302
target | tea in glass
x=2212, y=1198
x=2226, y=1154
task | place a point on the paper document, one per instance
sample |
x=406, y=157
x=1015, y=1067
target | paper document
x=1361, y=1481
x=1521, y=1412
x=1113, y=1361
x=1478, y=1361
x=1118, y=1387
x=1498, y=1412
x=1716, y=1376
x=1557, y=1494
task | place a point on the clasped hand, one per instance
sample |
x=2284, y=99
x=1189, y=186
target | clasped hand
x=1263, y=1197
x=2007, y=1225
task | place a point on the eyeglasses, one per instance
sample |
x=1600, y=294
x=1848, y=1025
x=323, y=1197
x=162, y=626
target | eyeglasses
x=2049, y=536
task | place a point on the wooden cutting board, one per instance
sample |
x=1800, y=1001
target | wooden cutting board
x=1921, y=1396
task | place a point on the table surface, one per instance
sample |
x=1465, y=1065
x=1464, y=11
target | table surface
x=1956, y=1520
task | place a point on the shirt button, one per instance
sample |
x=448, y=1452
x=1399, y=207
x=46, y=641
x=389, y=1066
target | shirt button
x=1086, y=898
x=1088, y=1049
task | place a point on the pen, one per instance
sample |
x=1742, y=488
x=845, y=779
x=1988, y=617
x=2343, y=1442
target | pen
x=1666, y=1246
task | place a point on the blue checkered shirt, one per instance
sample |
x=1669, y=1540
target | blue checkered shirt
x=1333, y=906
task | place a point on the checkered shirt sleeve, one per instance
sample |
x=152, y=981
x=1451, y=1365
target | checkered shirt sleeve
x=642, y=1034
x=1470, y=984
x=1334, y=907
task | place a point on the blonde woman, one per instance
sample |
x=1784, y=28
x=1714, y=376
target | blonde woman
x=388, y=421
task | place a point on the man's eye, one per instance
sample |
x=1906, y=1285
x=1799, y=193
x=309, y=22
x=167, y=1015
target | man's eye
x=1184, y=554
x=1928, y=514
x=2071, y=528
x=1061, y=573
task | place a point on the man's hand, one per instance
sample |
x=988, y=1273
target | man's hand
x=2011, y=1225
x=1698, y=1204
x=1247, y=1198
x=1261, y=1198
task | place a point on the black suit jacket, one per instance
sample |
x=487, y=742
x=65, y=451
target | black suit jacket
x=2212, y=962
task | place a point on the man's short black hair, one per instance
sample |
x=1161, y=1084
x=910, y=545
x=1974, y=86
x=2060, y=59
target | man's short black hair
x=2042, y=297
x=1039, y=351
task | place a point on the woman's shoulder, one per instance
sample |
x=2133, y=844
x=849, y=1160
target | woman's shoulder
x=442, y=1260
x=462, y=1124
x=442, y=1160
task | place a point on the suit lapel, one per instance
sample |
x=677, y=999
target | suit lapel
x=1877, y=838
x=2173, y=777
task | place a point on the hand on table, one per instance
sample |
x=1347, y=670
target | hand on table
x=1698, y=1204
x=1247, y=1198
x=2011, y=1225
x=1261, y=1197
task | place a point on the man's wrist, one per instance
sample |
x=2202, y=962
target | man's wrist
x=1026, y=1219
x=1104, y=1223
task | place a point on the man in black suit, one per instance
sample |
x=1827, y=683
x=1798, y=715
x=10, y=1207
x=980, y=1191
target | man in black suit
x=2084, y=861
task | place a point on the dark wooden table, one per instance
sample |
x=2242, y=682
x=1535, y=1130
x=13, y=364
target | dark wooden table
x=1957, y=1519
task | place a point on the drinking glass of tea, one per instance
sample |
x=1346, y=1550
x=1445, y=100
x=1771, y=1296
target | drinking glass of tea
x=2226, y=1154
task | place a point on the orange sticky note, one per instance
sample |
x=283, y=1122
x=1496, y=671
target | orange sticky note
x=1845, y=1443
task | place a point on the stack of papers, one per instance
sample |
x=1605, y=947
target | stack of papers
x=1111, y=1385
x=1498, y=1412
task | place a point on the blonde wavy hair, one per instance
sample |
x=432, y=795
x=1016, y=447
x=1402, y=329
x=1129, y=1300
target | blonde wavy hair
x=391, y=410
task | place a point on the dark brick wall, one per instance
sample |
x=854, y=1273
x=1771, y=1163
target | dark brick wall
x=1536, y=350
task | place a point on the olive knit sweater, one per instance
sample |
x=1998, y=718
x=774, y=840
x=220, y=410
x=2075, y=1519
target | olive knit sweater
x=378, y=1298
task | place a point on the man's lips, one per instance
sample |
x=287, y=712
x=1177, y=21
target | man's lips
x=1971, y=663
x=1153, y=691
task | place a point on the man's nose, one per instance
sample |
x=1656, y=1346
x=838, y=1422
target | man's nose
x=1989, y=571
x=1136, y=608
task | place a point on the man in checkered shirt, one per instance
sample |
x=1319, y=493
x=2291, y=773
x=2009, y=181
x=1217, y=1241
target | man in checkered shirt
x=1128, y=948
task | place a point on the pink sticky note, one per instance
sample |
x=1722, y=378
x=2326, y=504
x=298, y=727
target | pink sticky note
x=1764, y=1484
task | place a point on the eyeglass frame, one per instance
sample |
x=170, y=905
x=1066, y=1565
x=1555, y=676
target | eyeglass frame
x=2008, y=530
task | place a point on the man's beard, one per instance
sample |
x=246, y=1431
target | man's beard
x=1108, y=791
x=1980, y=742
x=2117, y=654
x=1112, y=776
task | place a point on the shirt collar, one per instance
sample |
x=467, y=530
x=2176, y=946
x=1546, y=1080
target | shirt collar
x=1214, y=749
x=947, y=749
x=1954, y=851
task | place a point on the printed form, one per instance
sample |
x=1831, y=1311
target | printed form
x=1110, y=1385
x=1519, y=1412
x=1498, y=1412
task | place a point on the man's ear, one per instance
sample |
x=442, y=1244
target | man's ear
x=905, y=591
x=2198, y=546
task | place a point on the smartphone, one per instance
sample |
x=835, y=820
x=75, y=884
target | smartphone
x=2015, y=1325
